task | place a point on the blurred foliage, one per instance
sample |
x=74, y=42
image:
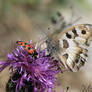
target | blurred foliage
x=6, y=6
x=17, y=14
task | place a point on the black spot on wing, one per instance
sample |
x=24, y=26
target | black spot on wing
x=35, y=53
x=66, y=56
x=73, y=64
x=53, y=20
x=75, y=32
x=59, y=14
x=68, y=67
x=83, y=62
x=68, y=35
x=29, y=48
x=83, y=31
x=65, y=44
x=86, y=55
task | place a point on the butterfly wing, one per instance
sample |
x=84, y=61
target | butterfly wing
x=73, y=45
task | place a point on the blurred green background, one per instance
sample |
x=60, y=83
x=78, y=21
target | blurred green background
x=28, y=19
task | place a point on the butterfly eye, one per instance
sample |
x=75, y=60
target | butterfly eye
x=83, y=32
x=76, y=61
x=25, y=43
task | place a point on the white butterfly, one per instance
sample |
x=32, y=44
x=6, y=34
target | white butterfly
x=71, y=46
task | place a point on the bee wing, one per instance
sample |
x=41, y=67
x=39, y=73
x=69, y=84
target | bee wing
x=73, y=45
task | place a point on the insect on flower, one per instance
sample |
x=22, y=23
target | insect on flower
x=70, y=46
x=29, y=47
x=37, y=76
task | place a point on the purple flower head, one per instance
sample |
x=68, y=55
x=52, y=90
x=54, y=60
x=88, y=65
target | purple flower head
x=39, y=72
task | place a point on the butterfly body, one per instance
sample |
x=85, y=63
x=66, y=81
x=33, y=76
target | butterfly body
x=71, y=46
x=31, y=50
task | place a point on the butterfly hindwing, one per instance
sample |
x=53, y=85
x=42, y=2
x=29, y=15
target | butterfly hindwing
x=73, y=44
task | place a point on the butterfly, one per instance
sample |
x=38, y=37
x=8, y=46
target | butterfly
x=70, y=46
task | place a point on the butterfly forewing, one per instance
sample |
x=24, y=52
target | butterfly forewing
x=73, y=45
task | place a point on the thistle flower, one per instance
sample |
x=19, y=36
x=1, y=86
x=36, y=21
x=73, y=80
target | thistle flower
x=39, y=73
